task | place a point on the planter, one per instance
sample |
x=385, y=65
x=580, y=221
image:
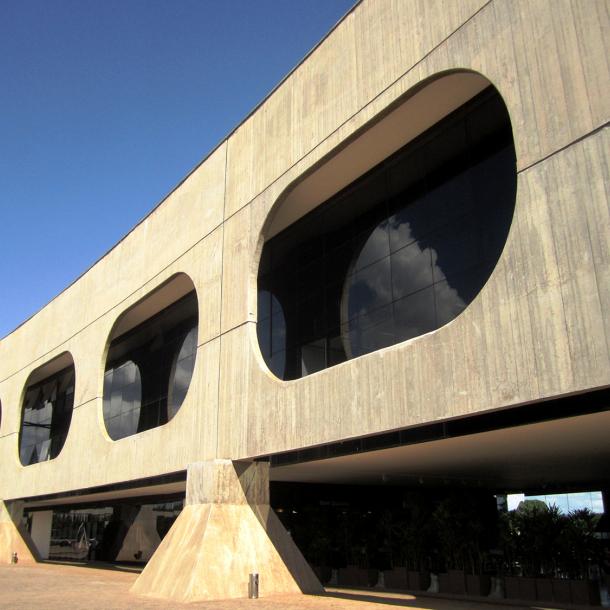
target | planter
x=497, y=588
x=353, y=577
x=585, y=592
x=323, y=573
x=334, y=577
x=380, y=582
x=544, y=589
x=519, y=587
x=418, y=581
x=434, y=586
x=478, y=584
x=511, y=587
x=444, y=583
x=396, y=578
x=561, y=590
x=457, y=582
x=372, y=576
x=527, y=588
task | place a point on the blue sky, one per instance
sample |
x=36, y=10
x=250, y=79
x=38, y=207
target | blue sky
x=105, y=105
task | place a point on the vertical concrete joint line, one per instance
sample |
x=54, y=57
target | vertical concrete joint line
x=222, y=278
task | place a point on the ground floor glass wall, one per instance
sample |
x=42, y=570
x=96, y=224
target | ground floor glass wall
x=125, y=532
x=459, y=539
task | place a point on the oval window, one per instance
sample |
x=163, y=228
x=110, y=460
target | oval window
x=398, y=253
x=150, y=360
x=47, y=411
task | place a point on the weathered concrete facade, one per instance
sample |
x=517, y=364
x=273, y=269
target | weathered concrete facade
x=539, y=328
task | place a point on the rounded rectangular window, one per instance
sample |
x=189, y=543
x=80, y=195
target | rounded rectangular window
x=398, y=253
x=47, y=411
x=149, y=367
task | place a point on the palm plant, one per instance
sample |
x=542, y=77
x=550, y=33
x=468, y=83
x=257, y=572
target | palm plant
x=580, y=547
x=536, y=530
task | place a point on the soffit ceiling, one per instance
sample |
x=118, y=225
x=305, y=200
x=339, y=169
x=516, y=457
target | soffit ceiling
x=570, y=452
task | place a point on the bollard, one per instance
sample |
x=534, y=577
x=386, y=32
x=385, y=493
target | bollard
x=14, y=557
x=253, y=586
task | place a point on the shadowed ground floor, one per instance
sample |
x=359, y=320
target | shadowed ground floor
x=55, y=586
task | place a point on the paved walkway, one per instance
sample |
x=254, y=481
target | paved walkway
x=66, y=587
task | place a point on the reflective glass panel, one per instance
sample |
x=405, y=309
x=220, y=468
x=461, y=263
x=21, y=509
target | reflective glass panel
x=128, y=532
x=149, y=370
x=182, y=371
x=399, y=253
x=46, y=416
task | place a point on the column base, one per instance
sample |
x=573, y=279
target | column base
x=213, y=547
x=14, y=540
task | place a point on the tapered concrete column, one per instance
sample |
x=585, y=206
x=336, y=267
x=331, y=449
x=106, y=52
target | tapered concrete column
x=42, y=522
x=226, y=531
x=13, y=537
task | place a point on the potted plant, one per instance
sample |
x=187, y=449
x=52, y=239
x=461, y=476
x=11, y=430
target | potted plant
x=414, y=537
x=581, y=549
x=536, y=531
x=463, y=523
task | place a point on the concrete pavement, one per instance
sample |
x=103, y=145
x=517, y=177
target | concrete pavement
x=69, y=587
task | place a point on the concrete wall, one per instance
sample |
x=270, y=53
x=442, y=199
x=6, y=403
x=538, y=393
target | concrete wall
x=539, y=327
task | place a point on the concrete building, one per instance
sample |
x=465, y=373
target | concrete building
x=396, y=269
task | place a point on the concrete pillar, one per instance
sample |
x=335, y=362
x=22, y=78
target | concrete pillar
x=42, y=521
x=226, y=531
x=13, y=536
x=606, y=500
x=142, y=539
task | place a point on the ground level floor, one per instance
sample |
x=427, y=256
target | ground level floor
x=449, y=539
x=53, y=586
x=424, y=509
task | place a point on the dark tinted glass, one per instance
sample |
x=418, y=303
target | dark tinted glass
x=128, y=531
x=399, y=253
x=46, y=416
x=149, y=370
